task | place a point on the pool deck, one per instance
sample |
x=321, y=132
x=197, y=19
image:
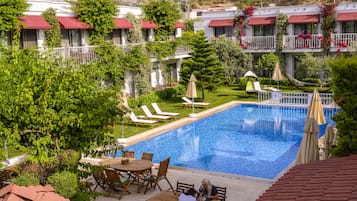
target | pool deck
x=239, y=188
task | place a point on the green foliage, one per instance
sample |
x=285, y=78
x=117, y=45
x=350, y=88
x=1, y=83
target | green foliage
x=142, y=80
x=40, y=171
x=189, y=25
x=161, y=49
x=134, y=58
x=97, y=13
x=164, y=13
x=53, y=35
x=312, y=80
x=68, y=160
x=146, y=99
x=166, y=94
x=232, y=57
x=280, y=26
x=267, y=62
x=65, y=183
x=81, y=196
x=312, y=66
x=204, y=64
x=10, y=12
x=344, y=84
x=52, y=106
x=26, y=179
x=134, y=35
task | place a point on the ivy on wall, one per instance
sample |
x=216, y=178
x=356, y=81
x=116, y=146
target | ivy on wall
x=328, y=25
x=97, y=13
x=241, y=21
x=53, y=35
x=161, y=49
x=280, y=24
x=134, y=35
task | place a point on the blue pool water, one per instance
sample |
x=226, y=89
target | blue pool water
x=248, y=139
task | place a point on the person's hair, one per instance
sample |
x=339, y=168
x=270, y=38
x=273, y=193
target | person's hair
x=209, y=185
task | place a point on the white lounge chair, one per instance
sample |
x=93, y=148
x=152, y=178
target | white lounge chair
x=135, y=120
x=188, y=103
x=150, y=115
x=257, y=86
x=159, y=112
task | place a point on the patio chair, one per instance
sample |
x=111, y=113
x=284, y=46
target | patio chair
x=147, y=156
x=188, y=103
x=159, y=112
x=257, y=86
x=153, y=180
x=99, y=177
x=182, y=187
x=150, y=115
x=116, y=182
x=137, y=121
x=221, y=191
x=128, y=154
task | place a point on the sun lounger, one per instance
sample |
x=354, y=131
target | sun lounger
x=150, y=115
x=135, y=120
x=159, y=112
x=188, y=103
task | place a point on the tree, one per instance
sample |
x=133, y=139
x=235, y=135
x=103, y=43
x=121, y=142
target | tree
x=53, y=35
x=204, y=64
x=47, y=106
x=344, y=84
x=232, y=57
x=267, y=63
x=9, y=17
x=134, y=35
x=97, y=13
x=312, y=66
x=164, y=13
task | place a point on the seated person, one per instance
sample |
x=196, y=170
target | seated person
x=207, y=191
x=189, y=195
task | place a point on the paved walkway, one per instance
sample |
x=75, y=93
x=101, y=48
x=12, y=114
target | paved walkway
x=239, y=188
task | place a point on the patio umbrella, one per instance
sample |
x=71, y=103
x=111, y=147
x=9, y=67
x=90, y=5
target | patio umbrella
x=316, y=109
x=191, y=90
x=309, y=148
x=328, y=141
x=277, y=76
x=250, y=74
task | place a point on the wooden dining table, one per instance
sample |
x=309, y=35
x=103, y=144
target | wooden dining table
x=135, y=166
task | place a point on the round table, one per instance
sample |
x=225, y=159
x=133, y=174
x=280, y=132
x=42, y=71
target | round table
x=136, y=167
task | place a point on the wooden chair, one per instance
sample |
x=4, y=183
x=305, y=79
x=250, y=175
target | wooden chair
x=99, y=177
x=153, y=180
x=129, y=154
x=182, y=187
x=116, y=182
x=221, y=191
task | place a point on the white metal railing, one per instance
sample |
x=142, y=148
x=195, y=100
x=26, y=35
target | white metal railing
x=343, y=40
x=258, y=42
x=302, y=41
x=293, y=98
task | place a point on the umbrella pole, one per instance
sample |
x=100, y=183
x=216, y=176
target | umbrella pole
x=193, y=105
x=122, y=127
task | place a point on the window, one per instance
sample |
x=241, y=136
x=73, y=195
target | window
x=263, y=30
x=74, y=37
x=146, y=34
x=28, y=38
x=349, y=27
x=227, y=31
x=199, y=13
x=305, y=29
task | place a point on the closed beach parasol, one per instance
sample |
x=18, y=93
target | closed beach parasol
x=277, y=76
x=191, y=90
x=328, y=141
x=316, y=109
x=309, y=148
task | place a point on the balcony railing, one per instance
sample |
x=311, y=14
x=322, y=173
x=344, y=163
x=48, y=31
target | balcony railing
x=343, y=40
x=258, y=42
x=302, y=41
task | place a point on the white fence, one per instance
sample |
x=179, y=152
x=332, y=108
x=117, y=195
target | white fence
x=259, y=42
x=343, y=40
x=302, y=41
x=294, y=98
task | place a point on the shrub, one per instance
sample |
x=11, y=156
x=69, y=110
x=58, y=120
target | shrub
x=26, y=179
x=81, y=196
x=166, y=94
x=65, y=183
x=143, y=100
x=180, y=90
x=68, y=160
x=312, y=80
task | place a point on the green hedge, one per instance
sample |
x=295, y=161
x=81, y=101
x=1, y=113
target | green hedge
x=65, y=183
x=143, y=100
x=312, y=80
x=170, y=93
x=26, y=179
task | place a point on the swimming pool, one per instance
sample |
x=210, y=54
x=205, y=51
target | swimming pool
x=248, y=139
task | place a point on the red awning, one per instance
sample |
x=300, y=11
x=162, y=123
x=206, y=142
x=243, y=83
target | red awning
x=343, y=17
x=179, y=25
x=261, y=21
x=34, y=22
x=221, y=23
x=72, y=23
x=304, y=19
x=148, y=24
x=122, y=23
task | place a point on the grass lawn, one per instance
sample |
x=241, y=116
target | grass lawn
x=222, y=95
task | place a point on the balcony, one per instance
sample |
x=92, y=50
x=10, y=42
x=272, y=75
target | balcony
x=302, y=43
x=258, y=43
x=343, y=42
